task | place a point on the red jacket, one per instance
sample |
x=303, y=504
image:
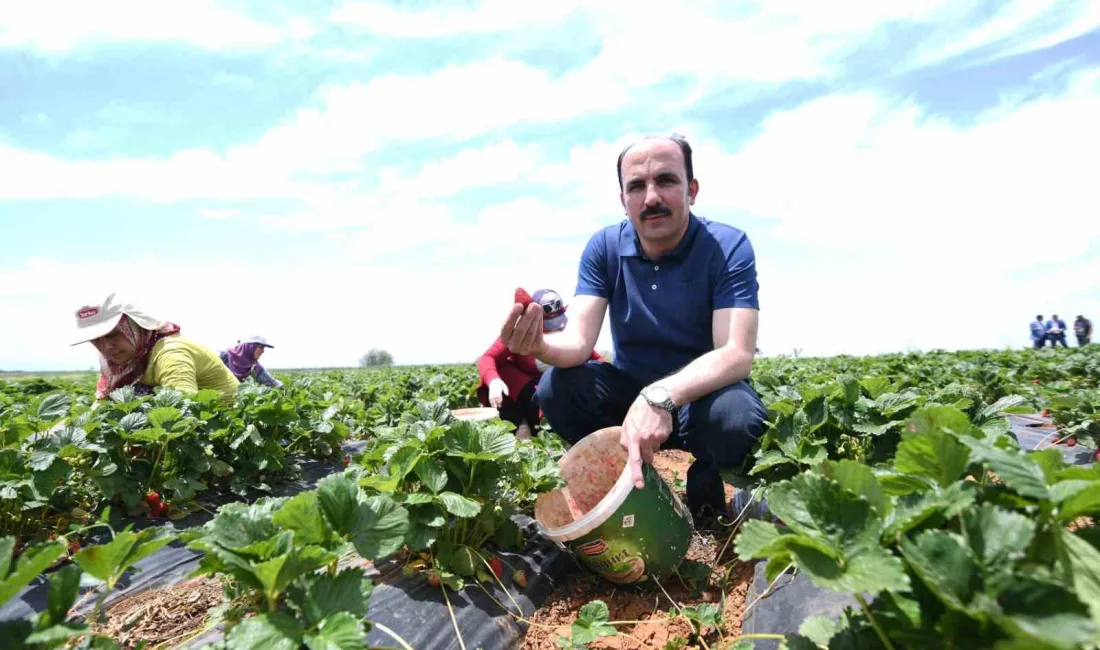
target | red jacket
x=513, y=369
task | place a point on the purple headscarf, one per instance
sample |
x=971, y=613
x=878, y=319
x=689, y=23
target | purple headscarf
x=241, y=358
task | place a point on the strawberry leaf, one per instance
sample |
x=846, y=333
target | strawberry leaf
x=272, y=631
x=341, y=631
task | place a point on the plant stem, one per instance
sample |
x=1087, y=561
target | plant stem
x=874, y=622
x=454, y=622
x=394, y=635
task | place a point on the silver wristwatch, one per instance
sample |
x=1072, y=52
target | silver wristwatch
x=658, y=396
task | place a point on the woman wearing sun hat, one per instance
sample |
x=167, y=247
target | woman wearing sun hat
x=508, y=381
x=243, y=360
x=138, y=350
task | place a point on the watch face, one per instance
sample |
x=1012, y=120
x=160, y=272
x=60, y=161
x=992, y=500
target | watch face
x=658, y=394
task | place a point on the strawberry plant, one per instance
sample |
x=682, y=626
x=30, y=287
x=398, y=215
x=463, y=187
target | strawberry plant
x=950, y=555
x=461, y=481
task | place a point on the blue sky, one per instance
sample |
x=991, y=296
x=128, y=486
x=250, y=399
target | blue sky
x=346, y=175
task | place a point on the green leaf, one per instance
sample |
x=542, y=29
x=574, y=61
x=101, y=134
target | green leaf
x=109, y=561
x=32, y=562
x=55, y=634
x=768, y=460
x=943, y=564
x=302, y=515
x=341, y=631
x=459, y=505
x=339, y=497
x=326, y=594
x=378, y=527
x=162, y=417
x=756, y=539
x=934, y=454
x=276, y=574
x=591, y=623
x=431, y=474
x=240, y=526
x=475, y=441
x=414, y=498
x=819, y=629
x=64, y=588
x=869, y=570
x=859, y=479
x=54, y=406
x=998, y=539
x=1015, y=468
x=272, y=631
x=1083, y=502
x=875, y=386
x=1083, y=560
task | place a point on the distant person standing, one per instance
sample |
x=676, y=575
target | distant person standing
x=1056, y=331
x=1082, y=327
x=1038, y=332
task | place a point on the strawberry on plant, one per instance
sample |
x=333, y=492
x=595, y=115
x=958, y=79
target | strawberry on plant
x=346, y=460
x=522, y=297
x=152, y=498
x=74, y=547
x=433, y=579
x=1045, y=413
x=1071, y=442
x=520, y=578
x=497, y=566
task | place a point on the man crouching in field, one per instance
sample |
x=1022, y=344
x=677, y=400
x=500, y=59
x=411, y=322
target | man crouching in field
x=682, y=292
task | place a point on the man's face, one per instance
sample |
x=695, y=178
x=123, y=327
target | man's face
x=656, y=193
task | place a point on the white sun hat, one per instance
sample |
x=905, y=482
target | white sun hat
x=258, y=339
x=96, y=320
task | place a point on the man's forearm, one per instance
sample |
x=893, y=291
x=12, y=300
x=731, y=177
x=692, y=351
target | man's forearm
x=715, y=369
x=564, y=351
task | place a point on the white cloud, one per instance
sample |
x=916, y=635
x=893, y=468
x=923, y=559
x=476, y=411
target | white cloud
x=57, y=26
x=487, y=17
x=1012, y=28
x=218, y=213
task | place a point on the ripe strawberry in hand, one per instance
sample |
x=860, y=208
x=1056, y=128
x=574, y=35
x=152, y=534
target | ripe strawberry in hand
x=523, y=298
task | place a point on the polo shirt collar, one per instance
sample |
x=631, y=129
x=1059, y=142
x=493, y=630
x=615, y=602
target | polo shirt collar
x=630, y=247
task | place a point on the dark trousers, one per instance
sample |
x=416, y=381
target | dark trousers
x=1038, y=343
x=1055, y=339
x=522, y=408
x=719, y=429
x=1082, y=341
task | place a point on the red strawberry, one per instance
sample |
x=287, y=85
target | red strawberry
x=1045, y=413
x=152, y=498
x=497, y=566
x=1071, y=442
x=520, y=578
x=1098, y=455
x=74, y=547
x=523, y=298
x=53, y=536
x=346, y=461
x=433, y=579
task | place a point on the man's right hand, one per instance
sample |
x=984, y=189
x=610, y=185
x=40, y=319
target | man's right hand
x=497, y=390
x=522, y=331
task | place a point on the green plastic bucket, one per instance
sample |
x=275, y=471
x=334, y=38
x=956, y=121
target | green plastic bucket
x=624, y=534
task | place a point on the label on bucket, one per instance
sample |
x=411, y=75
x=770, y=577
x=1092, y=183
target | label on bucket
x=648, y=536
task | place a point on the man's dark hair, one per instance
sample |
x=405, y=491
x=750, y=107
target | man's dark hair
x=680, y=141
x=1039, y=317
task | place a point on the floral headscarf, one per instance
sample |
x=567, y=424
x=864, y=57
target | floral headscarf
x=113, y=376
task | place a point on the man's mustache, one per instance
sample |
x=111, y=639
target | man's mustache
x=656, y=211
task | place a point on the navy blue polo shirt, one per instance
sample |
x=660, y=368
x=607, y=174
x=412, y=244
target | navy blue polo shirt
x=661, y=310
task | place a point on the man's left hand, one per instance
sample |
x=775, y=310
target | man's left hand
x=645, y=428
